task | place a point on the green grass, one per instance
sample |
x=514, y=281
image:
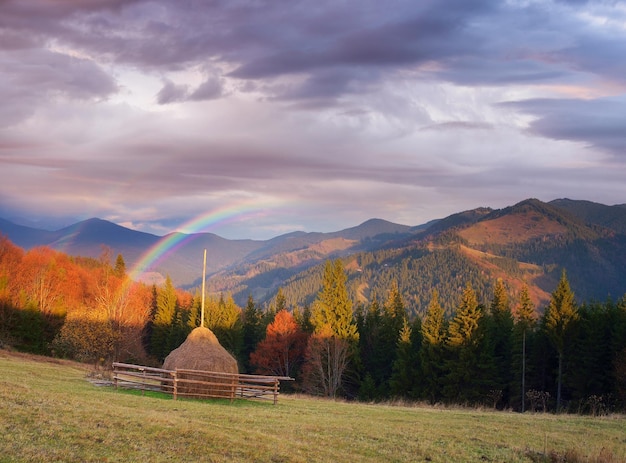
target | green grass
x=50, y=412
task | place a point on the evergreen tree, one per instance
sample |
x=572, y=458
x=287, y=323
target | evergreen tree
x=332, y=310
x=525, y=324
x=379, y=330
x=405, y=367
x=253, y=331
x=303, y=318
x=500, y=336
x=227, y=326
x=370, y=355
x=470, y=376
x=335, y=335
x=281, y=301
x=120, y=267
x=559, y=316
x=166, y=307
x=432, y=352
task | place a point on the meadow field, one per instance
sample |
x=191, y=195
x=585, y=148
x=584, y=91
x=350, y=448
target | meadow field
x=50, y=411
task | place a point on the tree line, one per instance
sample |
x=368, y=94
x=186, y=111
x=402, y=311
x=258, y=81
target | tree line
x=496, y=352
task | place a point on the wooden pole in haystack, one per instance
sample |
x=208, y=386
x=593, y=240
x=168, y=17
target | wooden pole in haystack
x=203, y=280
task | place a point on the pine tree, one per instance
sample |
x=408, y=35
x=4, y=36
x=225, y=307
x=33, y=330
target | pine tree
x=559, y=316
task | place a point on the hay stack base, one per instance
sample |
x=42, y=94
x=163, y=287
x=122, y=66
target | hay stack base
x=202, y=351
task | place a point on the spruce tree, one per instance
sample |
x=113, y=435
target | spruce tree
x=253, y=331
x=120, y=267
x=500, y=337
x=525, y=323
x=332, y=310
x=335, y=336
x=559, y=316
x=432, y=352
x=167, y=302
x=404, y=373
x=470, y=364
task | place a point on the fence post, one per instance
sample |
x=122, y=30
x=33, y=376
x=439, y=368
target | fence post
x=175, y=375
x=275, y=390
x=143, y=384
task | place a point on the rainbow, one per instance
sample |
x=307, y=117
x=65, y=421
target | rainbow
x=168, y=244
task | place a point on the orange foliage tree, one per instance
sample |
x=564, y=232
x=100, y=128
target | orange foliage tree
x=282, y=350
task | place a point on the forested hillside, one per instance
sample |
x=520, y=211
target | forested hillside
x=529, y=243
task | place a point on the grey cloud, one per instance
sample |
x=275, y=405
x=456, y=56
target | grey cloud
x=210, y=89
x=473, y=42
x=458, y=125
x=172, y=93
x=29, y=78
x=600, y=123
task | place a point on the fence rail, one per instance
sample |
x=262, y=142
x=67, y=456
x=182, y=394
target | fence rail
x=196, y=383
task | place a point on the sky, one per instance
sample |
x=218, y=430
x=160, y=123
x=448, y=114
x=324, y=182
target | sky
x=251, y=119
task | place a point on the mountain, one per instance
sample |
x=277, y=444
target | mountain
x=180, y=255
x=528, y=243
x=612, y=217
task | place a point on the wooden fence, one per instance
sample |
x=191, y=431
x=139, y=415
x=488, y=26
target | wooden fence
x=197, y=384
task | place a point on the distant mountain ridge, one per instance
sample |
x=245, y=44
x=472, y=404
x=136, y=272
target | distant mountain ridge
x=88, y=238
x=527, y=243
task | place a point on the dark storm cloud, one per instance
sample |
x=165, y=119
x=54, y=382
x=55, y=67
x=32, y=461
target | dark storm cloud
x=472, y=42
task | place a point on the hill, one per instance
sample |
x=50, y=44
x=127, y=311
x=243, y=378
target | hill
x=180, y=255
x=527, y=243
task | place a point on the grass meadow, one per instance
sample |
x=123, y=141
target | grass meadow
x=49, y=411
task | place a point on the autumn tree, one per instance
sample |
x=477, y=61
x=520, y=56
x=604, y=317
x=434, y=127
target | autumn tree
x=86, y=336
x=559, y=316
x=281, y=352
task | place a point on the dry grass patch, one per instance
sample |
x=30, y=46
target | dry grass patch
x=50, y=412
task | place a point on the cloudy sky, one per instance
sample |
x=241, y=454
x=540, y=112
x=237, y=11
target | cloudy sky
x=266, y=117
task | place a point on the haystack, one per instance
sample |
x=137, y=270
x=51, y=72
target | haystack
x=202, y=351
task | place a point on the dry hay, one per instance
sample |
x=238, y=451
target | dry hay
x=202, y=352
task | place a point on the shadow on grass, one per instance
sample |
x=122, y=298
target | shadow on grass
x=237, y=402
